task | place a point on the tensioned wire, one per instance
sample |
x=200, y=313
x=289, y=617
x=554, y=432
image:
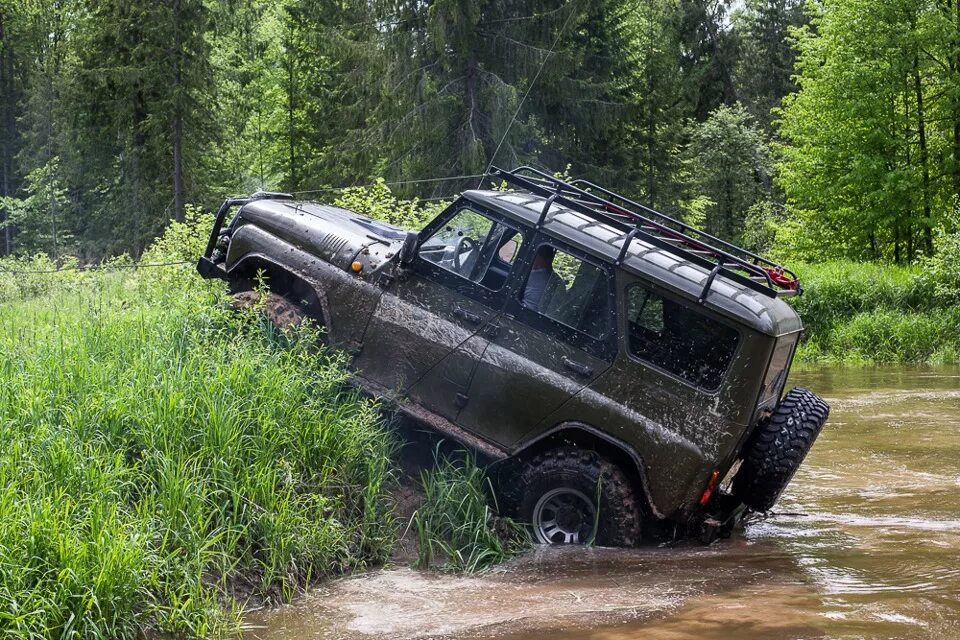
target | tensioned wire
x=181, y=262
x=94, y=267
x=392, y=184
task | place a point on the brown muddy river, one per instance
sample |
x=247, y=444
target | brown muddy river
x=866, y=545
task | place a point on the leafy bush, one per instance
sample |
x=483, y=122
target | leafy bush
x=836, y=291
x=456, y=527
x=380, y=203
x=941, y=272
x=891, y=337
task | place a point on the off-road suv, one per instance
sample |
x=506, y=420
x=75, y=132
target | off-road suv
x=623, y=367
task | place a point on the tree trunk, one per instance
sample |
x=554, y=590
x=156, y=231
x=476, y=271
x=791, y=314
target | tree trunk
x=178, y=203
x=53, y=227
x=910, y=255
x=291, y=128
x=8, y=123
x=955, y=69
x=178, y=100
x=651, y=125
x=924, y=164
x=896, y=243
x=470, y=90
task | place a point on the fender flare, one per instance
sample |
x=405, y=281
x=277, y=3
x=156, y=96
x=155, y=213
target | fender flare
x=251, y=258
x=624, y=447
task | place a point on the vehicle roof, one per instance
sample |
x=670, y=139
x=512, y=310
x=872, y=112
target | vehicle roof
x=769, y=315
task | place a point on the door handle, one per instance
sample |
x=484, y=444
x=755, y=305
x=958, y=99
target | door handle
x=466, y=316
x=492, y=330
x=579, y=369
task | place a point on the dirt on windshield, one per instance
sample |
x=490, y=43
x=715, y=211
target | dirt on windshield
x=864, y=544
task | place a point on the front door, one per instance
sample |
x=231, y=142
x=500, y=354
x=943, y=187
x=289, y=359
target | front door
x=557, y=334
x=425, y=337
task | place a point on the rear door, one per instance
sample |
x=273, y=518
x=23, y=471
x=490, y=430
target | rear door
x=425, y=338
x=544, y=350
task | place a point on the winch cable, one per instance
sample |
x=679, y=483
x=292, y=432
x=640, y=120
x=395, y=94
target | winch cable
x=516, y=113
x=96, y=267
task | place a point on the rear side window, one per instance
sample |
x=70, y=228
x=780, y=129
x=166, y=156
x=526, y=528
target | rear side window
x=779, y=365
x=678, y=339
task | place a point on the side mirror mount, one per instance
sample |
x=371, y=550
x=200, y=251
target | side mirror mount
x=409, y=249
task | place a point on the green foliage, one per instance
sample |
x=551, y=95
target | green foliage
x=457, y=529
x=761, y=226
x=766, y=58
x=729, y=164
x=857, y=312
x=878, y=103
x=885, y=336
x=379, y=202
x=39, y=217
x=160, y=451
x=941, y=272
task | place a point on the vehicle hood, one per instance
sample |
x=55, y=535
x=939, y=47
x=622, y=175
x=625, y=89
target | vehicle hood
x=336, y=235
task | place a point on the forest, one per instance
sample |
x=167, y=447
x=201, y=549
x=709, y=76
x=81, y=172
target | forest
x=822, y=130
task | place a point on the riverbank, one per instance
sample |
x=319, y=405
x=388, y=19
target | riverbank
x=164, y=458
x=864, y=313
x=161, y=455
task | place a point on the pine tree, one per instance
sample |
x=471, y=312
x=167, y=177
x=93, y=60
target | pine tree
x=766, y=60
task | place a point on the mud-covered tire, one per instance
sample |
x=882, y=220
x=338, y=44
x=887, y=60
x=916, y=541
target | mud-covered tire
x=279, y=311
x=577, y=474
x=777, y=447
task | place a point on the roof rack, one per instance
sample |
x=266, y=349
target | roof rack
x=658, y=229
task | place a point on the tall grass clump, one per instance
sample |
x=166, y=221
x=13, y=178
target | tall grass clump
x=863, y=313
x=456, y=527
x=161, y=456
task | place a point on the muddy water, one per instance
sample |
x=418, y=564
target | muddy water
x=866, y=544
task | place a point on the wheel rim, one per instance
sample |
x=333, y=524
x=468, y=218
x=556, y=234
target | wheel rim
x=564, y=516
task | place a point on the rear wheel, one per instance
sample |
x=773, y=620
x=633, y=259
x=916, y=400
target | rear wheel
x=573, y=496
x=777, y=447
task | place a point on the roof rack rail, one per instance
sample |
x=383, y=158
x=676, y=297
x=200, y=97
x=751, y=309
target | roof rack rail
x=658, y=229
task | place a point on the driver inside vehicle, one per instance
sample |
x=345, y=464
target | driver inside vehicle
x=541, y=277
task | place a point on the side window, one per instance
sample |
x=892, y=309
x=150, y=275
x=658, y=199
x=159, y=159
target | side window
x=475, y=247
x=569, y=291
x=678, y=339
x=777, y=371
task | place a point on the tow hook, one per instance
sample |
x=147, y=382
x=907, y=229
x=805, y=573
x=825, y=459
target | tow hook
x=709, y=530
x=723, y=520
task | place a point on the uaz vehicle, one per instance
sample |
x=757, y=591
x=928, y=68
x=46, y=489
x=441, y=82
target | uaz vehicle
x=625, y=368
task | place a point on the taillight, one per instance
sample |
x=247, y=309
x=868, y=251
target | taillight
x=710, y=487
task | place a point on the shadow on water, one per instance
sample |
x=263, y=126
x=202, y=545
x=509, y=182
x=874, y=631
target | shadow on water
x=865, y=546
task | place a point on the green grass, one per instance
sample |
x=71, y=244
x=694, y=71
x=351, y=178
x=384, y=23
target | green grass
x=862, y=313
x=457, y=529
x=160, y=453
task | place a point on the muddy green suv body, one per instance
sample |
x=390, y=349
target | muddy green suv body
x=559, y=328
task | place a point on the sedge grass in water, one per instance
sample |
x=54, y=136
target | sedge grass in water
x=456, y=527
x=160, y=454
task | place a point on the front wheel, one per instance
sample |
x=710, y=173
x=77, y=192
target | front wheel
x=573, y=496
